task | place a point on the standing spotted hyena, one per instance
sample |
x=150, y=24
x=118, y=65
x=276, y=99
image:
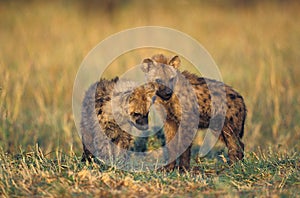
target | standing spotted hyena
x=228, y=108
x=109, y=109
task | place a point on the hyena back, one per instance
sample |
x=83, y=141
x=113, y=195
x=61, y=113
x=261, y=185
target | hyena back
x=165, y=72
x=108, y=100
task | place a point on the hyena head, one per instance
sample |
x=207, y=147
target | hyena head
x=140, y=101
x=163, y=72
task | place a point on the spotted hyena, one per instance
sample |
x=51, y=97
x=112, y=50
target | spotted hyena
x=228, y=105
x=110, y=109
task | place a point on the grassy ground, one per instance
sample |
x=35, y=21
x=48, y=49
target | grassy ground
x=59, y=174
x=256, y=47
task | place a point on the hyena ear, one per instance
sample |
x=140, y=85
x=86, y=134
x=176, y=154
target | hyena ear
x=147, y=64
x=175, y=62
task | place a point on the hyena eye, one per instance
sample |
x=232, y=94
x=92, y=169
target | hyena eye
x=158, y=81
x=136, y=115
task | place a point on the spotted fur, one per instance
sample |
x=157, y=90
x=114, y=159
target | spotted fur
x=109, y=109
x=228, y=105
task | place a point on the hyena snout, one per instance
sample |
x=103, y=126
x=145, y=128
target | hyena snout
x=141, y=121
x=164, y=92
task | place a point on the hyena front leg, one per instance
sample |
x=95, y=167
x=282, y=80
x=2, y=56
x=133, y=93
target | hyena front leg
x=86, y=155
x=88, y=148
x=170, y=129
x=184, y=160
x=185, y=144
x=234, y=144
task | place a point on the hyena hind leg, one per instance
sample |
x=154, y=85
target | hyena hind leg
x=234, y=144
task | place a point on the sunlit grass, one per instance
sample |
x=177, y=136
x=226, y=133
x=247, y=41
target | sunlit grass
x=35, y=173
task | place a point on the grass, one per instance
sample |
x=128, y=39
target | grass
x=256, y=47
x=59, y=174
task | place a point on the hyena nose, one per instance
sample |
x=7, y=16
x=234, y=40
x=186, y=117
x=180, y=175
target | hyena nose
x=169, y=91
x=142, y=123
x=165, y=93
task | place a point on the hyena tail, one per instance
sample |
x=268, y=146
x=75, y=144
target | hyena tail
x=243, y=123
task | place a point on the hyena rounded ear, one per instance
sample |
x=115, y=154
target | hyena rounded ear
x=147, y=64
x=175, y=61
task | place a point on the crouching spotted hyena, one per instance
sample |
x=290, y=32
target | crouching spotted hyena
x=228, y=108
x=110, y=109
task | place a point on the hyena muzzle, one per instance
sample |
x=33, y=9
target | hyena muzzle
x=228, y=105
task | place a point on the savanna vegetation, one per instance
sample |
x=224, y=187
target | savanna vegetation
x=256, y=45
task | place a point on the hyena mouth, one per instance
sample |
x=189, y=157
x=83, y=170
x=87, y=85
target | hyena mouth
x=141, y=123
x=165, y=93
x=142, y=127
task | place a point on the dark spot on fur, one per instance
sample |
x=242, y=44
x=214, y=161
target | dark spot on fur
x=204, y=100
x=231, y=119
x=99, y=100
x=232, y=96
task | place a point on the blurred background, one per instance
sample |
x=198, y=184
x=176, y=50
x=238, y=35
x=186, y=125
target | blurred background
x=256, y=45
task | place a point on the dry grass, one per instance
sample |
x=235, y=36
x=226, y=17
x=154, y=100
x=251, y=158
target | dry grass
x=56, y=174
x=42, y=45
